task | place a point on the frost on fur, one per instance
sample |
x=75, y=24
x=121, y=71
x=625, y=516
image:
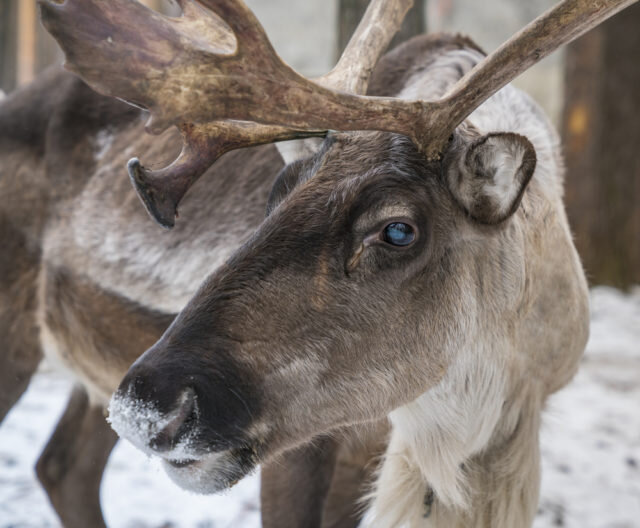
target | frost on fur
x=140, y=422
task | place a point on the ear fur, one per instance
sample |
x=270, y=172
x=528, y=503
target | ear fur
x=491, y=174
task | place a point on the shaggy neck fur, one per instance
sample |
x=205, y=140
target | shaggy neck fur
x=467, y=461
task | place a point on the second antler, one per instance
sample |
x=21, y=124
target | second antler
x=214, y=74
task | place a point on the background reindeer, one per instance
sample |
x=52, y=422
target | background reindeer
x=167, y=218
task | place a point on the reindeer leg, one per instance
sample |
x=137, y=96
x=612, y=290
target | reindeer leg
x=20, y=352
x=357, y=459
x=321, y=484
x=15, y=373
x=71, y=465
x=294, y=487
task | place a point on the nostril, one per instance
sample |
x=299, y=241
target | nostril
x=161, y=443
x=176, y=424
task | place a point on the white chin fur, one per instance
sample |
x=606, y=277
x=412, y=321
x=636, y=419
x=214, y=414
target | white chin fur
x=211, y=474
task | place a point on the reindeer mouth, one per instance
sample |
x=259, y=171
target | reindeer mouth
x=213, y=472
x=182, y=463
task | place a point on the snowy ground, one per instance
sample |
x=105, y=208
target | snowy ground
x=591, y=437
x=590, y=444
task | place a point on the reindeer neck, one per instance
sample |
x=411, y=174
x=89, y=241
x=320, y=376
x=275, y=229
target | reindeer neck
x=421, y=485
x=503, y=483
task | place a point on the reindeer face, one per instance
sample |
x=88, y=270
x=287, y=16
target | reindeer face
x=349, y=301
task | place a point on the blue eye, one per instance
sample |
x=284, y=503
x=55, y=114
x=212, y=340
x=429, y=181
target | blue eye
x=398, y=234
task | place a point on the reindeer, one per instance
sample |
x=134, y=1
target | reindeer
x=414, y=266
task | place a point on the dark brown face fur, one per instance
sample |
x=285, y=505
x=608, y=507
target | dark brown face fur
x=304, y=290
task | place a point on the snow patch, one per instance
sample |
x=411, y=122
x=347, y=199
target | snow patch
x=590, y=439
x=136, y=421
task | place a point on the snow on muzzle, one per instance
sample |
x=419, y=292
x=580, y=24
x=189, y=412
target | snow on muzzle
x=156, y=433
x=175, y=437
x=192, y=412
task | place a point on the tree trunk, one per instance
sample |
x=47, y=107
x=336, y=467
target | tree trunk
x=601, y=132
x=350, y=12
x=8, y=41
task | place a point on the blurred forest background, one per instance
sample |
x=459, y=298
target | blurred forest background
x=591, y=90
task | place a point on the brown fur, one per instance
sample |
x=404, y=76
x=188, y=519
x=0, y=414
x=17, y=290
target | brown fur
x=92, y=339
x=411, y=58
x=47, y=162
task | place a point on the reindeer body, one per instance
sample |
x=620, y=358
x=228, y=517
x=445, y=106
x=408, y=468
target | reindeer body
x=101, y=284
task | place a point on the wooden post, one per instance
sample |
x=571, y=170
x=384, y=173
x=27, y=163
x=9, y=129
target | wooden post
x=27, y=20
x=350, y=13
x=601, y=133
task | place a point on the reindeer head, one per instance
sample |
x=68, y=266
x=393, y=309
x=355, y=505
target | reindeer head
x=357, y=292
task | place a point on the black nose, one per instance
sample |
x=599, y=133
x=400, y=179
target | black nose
x=203, y=398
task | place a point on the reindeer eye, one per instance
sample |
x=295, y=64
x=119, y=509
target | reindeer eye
x=398, y=234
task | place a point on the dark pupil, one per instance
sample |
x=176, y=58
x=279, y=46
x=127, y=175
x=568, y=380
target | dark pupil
x=399, y=234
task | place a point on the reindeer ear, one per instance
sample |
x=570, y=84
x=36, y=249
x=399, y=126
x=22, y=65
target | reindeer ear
x=491, y=175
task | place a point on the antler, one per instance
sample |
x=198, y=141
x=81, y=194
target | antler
x=211, y=74
x=381, y=21
x=208, y=73
x=162, y=190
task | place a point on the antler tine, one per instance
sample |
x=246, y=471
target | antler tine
x=560, y=25
x=123, y=49
x=379, y=24
x=371, y=38
x=162, y=190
